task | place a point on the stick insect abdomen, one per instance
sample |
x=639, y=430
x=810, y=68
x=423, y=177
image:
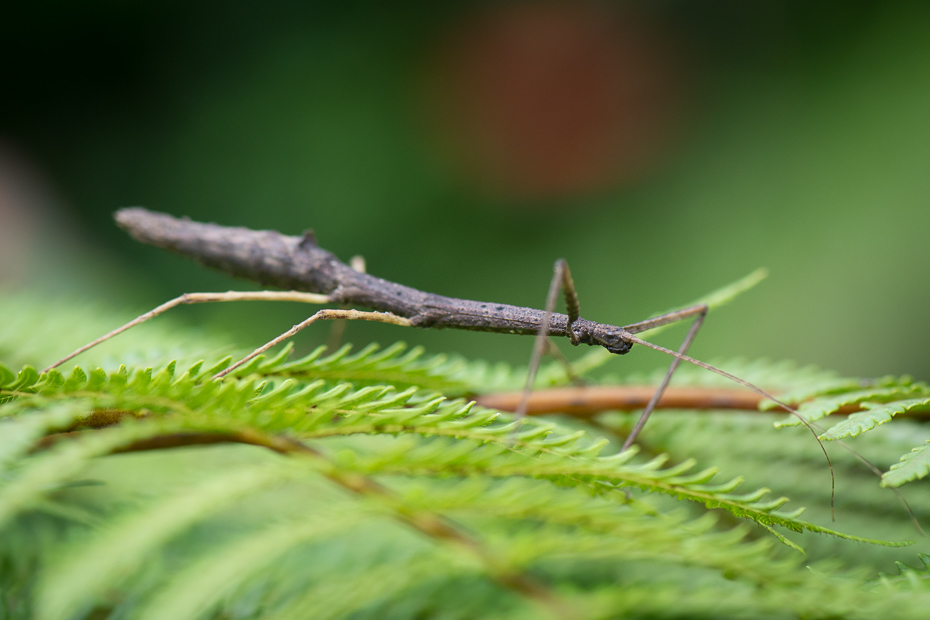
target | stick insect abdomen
x=263, y=256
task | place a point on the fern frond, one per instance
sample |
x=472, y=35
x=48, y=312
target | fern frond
x=463, y=457
x=822, y=407
x=775, y=376
x=479, y=447
x=841, y=385
x=875, y=415
x=913, y=466
x=35, y=476
x=908, y=577
x=202, y=585
x=394, y=365
x=791, y=463
x=385, y=495
x=629, y=531
x=400, y=367
x=21, y=434
x=881, y=401
x=87, y=569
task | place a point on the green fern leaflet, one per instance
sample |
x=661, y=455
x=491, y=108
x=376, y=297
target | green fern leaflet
x=366, y=484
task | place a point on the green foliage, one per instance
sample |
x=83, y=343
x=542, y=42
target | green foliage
x=880, y=400
x=394, y=365
x=908, y=577
x=874, y=414
x=366, y=485
x=914, y=465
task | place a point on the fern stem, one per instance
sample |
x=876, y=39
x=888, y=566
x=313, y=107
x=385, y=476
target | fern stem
x=432, y=525
x=585, y=402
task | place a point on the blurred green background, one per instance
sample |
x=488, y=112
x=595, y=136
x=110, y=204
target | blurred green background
x=663, y=148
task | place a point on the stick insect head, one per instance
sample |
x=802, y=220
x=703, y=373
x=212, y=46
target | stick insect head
x=612, y=339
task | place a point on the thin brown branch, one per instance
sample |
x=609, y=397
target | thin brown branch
x=585, y=402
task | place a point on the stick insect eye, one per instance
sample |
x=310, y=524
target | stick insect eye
x=614, y=342
x=621, y=348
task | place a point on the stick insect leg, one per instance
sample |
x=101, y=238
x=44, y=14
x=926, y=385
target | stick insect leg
x=322, y=315
x=197, y=298
x=561, y=278
x=699, y=312
x=553, y=350
x=666, y=319
x=338, y=328
x=573, y=309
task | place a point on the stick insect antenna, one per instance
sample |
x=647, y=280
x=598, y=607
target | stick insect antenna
x=757, y=390
x=813, y=427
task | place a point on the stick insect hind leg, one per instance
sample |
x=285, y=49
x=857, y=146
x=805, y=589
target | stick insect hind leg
x=322, y=315
x=197, y=298
x=698, y=312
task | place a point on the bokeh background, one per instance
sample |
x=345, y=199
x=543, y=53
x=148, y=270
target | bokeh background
x=664, y=148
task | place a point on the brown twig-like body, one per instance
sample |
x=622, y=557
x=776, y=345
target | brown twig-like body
x=298, y=263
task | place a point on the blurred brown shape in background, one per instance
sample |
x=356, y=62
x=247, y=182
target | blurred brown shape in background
x=544, y=100
x=23, y=200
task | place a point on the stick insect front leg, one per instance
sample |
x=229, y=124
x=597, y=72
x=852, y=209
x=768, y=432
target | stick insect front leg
x=562, y=279
x=698, y=312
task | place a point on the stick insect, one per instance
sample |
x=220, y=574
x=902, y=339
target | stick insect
x=316, y=276
x=310, y=274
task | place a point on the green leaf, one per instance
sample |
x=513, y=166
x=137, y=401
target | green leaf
x=910, y=577
x=38, y=474
x=822, y=407
x=21, y=433
x=913, y=466
x=858, y=423
x=26, y=378
x=357, y=484
x=199, y=587
x=88, y=569
x=6, y=376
